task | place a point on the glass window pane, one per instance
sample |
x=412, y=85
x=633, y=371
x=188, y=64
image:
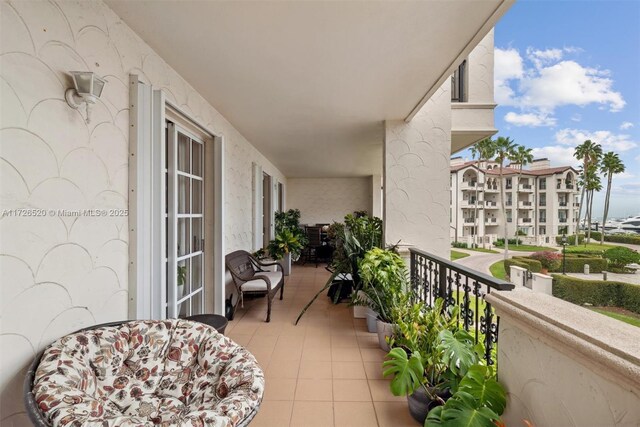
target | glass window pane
x=197, y=160
x=196, y=272
x=196, y=232
x=184, y=237
x=196, y=304
x=196, y=206
x=183, y=153
x=183, y=279
x=183, y=194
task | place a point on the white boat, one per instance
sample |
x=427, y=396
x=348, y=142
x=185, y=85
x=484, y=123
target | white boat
x=631, y=224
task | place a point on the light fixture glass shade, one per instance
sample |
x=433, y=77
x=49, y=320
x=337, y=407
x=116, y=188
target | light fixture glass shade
x=87, y=84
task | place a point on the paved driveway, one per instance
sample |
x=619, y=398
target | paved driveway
x=481, y=261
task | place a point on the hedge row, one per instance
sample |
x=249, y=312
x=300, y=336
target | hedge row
x=616, y=238
x=597, y=292
x=532, y=265
x=576, y=264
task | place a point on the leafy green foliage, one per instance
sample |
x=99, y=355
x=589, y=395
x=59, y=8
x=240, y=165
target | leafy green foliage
x=549, y=260
x=408, y=372
x=633, y=239
x=597, y=292
x=621, y=256
x=457, y=351
x=571, y=240
x=478, y=402
x=289, y=236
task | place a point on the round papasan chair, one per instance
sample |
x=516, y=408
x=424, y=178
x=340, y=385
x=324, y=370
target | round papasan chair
x=144, y=373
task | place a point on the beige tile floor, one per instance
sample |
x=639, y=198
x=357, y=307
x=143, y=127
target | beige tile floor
x=325, y=371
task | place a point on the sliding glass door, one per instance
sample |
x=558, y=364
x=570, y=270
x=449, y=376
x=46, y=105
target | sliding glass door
x=184, y=222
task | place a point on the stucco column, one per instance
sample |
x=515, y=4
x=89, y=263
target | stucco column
x=416, y=176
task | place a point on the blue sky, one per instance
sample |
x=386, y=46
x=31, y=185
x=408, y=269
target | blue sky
x=566, y=71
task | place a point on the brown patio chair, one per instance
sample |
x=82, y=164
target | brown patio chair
x=250, y=277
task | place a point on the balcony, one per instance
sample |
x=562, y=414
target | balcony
x=525, y=205
x=576, y=204
x=542, y=219
x=469, y=221
x=525, y=221
x=564, y=187
x=562, y=220
x=542, y=203
x=508, y=203
x=468, y=185
x=526, y=188
x=562, y=204
x=491, y=189
x=491, y=204
x=491, y=221
x=469, y=203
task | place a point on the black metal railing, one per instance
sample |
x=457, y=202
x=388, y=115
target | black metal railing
x=433, y=277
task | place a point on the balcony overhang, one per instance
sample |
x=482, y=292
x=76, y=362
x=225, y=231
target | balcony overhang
x=310, y=83
x=470, y=123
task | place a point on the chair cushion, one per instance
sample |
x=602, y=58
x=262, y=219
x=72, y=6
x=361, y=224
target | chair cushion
x=145, y=373
x=260, y=285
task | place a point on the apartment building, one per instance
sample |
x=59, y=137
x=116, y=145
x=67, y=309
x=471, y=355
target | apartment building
x=541, y=202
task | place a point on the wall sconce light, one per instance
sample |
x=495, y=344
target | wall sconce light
x=87, y=90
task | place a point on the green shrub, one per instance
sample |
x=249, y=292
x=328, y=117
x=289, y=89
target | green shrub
x=597, y=292
x=531, y=264
x=621, y=256
x=500, y=242
x=459, y=245
x=583, y=251
x=571, y=240
x=617, y=238
x=513, y=262
x=576, y=264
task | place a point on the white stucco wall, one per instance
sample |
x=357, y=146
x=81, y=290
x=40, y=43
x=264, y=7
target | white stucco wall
x=325, y=200
x=61, y=274
x=416, y=176
x=480, y=71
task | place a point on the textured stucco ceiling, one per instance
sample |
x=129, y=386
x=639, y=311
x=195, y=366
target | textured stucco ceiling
x=310, y=83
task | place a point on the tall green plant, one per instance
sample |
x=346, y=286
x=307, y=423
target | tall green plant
x=352, y=240
x=590, y=153
x=522, y=156
x=289, y=236
x=484, y=149
x=611, y=165
x=504, y=148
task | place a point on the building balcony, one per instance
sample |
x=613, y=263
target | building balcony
x=542, y=203
x=471, y=203
x=542, y=220
x=492, y=189
x=491, y=204
x=469, y=221
x=508, y=203
x=562, y=220
x=525, y=205
x=491, y=221
x=576, y=204
x=565, y=187
x=470, y=122
x=469, y=185
x=525, y=221
x=526, y=188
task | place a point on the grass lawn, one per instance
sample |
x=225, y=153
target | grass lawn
x=590, y=247
x=631, y=318
x=497, y=270
x=457, y=255
x=488, y=251
x=530, y=248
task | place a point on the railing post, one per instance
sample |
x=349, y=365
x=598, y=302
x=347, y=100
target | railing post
x=442, y=281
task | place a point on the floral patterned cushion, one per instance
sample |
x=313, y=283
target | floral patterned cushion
x=147, y=373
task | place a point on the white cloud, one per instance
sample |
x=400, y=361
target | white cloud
x=608, y=140
x=626, y=125
x=625, y=175
x=631, y=189
x=569, y=83
x=576, y=117
x=508, y=66
x=529, y=119
x=558, y=155
x=543, y=80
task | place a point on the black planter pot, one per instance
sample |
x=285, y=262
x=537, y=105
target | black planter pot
x=420, y=403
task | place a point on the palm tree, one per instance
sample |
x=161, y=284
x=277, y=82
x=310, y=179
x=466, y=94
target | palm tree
x=592, y=184
x=610, y=165
x=589, y=152
x=481, y=150
x=522, y=156
x=504, y=148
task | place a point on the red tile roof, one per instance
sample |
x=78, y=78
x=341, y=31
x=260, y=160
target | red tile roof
x=514, y=171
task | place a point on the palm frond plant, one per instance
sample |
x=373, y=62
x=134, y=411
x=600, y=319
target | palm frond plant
x=590, y=153
x=522, y=156
x=611, y=165
x=503, y=150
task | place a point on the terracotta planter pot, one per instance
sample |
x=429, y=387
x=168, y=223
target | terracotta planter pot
x=384, y=330
x=420, y=403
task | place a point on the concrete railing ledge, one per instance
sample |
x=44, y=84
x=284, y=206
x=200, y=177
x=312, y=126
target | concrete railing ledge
x=608, y=345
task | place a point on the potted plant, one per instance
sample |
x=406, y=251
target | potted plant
x=289, y=239
x=430, y=357
x=548, y=259
x=384, y=278
x=351, y=239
